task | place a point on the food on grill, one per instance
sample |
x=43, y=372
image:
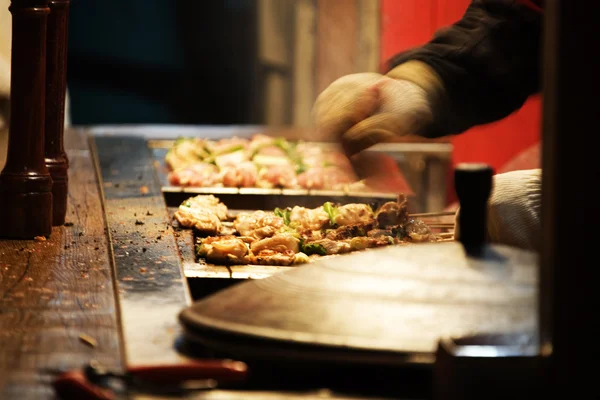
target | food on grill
x=306, y=218
x=225, y=249
x=272, y=257
x=203, y=221
x=261, y=161
x=297, y=235
x=203, y=213
x=392, y=213
x=244, y=174
x=350, y=214
x=258, y=225
x=199, y=174
x=280, y=242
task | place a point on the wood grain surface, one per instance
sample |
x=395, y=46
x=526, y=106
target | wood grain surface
x=54, y=291
x=151, y=285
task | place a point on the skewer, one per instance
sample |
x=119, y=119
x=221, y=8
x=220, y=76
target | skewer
x=445, y=235
x=433, y=214
x=440, y=226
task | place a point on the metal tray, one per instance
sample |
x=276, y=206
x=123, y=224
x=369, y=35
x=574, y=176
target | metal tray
x=259, y=198
x=194, y=268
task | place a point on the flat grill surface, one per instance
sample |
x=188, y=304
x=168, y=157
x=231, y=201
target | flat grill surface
x=403, y=303
x=198, y=268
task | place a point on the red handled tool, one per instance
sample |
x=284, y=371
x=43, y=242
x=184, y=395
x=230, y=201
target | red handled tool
x=94, y=382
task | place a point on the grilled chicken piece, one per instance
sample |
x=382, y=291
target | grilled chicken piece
x=333, y=247
x=355, y=213
x=280, y=243
x=393, y=213
x=361, y=243
x=310, y=236
x=259, y=224
x=270, y=257
x=224, y=249
x=379, y=233
x=349, y=231
x=200, y=219
x=309, y=219
x=417, y=231
x=207, y=202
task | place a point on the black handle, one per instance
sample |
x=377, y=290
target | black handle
x=473, y=184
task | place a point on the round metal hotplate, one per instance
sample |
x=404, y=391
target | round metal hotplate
x=388, y=305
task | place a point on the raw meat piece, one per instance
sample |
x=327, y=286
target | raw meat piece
x=277, y=176
x=241, y=175
x=199, y=174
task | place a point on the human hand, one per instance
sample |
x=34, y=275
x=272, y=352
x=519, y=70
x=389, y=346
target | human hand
x=513, y=210
x=360, y=110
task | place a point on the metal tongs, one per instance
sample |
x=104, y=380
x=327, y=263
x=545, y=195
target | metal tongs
x=94, y=382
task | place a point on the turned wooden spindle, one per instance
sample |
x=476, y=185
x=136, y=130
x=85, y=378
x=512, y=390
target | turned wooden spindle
x=56, y=73
x=25, y=183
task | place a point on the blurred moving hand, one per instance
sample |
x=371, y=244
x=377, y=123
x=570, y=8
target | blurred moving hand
x=361, y=110
x=364, y=109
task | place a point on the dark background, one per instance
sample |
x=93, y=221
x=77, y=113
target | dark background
x=162, y=62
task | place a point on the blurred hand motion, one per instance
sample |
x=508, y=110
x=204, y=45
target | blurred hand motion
x=364, y=109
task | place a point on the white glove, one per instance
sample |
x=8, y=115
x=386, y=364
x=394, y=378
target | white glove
x=363, y=109
x=514, y=210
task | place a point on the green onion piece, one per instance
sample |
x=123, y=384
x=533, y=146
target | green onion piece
x=314, y=248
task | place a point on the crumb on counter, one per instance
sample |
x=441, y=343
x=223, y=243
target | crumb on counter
x=87, y=339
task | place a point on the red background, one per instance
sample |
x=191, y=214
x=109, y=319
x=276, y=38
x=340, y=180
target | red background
x=408, y=23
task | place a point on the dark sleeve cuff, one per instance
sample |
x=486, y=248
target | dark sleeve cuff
x=488, y=64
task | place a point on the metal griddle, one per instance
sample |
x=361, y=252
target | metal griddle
x=392, y=311
x=199, y=268
x=423, y=163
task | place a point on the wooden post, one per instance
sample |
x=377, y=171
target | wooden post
x=25, y=183
x=569, y=273
x=56, y=73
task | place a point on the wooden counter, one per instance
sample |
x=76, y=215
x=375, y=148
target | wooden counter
x=54, y=291
x=106, y=286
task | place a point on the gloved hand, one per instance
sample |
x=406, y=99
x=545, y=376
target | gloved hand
x=514, y=210
x=361, y=110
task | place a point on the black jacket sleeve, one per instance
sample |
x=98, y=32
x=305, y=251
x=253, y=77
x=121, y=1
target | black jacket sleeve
x=489, y=63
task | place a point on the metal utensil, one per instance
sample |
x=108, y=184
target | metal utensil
x=95, y=382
